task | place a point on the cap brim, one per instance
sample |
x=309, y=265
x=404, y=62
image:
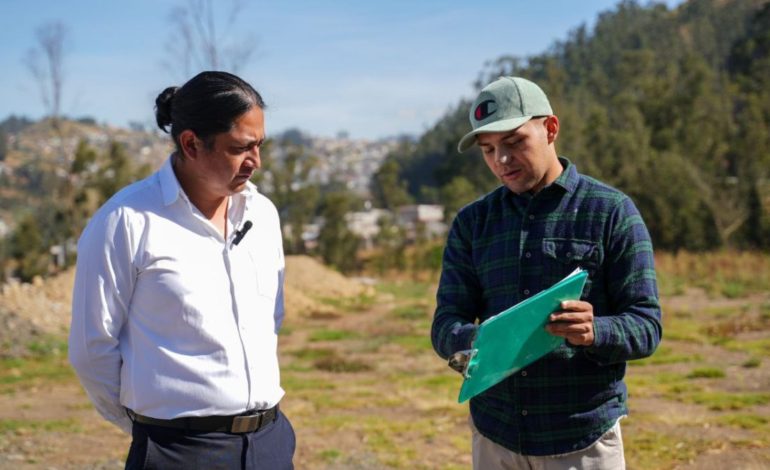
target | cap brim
x=497, y=126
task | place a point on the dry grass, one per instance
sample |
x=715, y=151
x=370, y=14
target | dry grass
x=731, y=274
x=366, y=391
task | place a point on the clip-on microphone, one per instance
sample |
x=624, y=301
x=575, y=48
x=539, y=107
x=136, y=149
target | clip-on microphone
x=239, y=234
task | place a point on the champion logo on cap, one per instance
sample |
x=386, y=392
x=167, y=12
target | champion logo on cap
x=485, y=109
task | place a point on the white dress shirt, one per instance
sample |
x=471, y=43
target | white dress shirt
x=170, y=319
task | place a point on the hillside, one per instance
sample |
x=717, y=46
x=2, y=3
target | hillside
x=670, y=106
x=39, y=156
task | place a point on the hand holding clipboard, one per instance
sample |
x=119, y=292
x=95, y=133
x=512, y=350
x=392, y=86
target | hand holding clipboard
x=515, y=337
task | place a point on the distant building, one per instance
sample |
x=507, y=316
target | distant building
x=426, y=220
x=365, y=224
x=347, y=161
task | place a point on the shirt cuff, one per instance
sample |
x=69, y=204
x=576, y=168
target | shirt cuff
x=601, y=338
x=463, y=336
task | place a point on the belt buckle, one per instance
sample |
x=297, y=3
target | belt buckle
x=243, y=424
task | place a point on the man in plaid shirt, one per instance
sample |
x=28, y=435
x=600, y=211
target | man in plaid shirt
x=564, y=410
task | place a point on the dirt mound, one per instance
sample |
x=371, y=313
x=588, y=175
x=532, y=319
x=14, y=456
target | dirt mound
x=308, y=282
x=30, y=311
x=319, y=281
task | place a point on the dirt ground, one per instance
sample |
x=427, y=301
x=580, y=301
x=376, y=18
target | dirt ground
x=352, y=425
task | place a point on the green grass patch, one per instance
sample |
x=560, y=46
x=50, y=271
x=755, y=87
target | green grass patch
x=654, y=449
x=682, y=390
x=744, y=421
x=332, y=335
x=662, y=383
x=47, y=347
x=47, y=363
x=329, y=455
x=407, y=290
x=350, y=304
x=706, y=373
x=758, y=347
x=392, y=440
x=296, y=382
x=764, y=311
x=665, y=354
x=681, y=328
x=411, y=312
x=312, y=353
x=414, y=343
x=669, y=285
x=336, y=363
x=448, y=381
x=41, y=347
x=721, y=312
x=752, y=363
x=32, y=426
x=724, y=401
x=296, y=367
x=734, y=289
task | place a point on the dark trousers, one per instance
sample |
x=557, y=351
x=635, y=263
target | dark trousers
x=157, y=447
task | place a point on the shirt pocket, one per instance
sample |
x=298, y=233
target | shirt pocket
x=267, y=274
x=562, y=256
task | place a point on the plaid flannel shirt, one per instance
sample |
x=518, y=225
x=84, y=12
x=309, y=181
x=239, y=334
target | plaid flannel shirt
x=504, y=248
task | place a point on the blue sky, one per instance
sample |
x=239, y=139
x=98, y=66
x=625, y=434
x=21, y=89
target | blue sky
x=372, y=69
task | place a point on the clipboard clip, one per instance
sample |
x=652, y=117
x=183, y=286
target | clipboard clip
x=460, y=361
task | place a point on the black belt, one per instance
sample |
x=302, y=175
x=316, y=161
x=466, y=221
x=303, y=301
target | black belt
x=251, y=421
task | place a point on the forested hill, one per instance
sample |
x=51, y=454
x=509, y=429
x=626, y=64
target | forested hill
x=670, y=106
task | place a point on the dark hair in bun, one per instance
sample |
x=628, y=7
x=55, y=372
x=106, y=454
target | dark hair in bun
x=208, y=104
x=163, y=107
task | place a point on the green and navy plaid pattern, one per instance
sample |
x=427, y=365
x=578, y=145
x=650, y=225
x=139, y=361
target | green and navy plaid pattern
x=505, y=248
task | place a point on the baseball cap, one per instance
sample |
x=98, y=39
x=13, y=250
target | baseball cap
x=504, y=105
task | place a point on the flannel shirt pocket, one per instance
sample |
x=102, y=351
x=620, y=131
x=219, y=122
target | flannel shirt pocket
x=562, y=256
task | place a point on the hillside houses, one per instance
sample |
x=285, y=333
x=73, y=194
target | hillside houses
x=416, y=221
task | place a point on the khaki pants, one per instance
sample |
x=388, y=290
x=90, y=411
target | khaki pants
x=604, y=454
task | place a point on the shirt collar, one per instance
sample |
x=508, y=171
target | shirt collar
x=172, y=190
x=569, y=178
x=169, y=185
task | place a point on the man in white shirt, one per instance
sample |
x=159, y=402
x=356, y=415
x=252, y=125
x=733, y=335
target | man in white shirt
x=178, y=295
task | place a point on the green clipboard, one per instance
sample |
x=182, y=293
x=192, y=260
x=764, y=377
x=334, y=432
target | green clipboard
x=516, y=337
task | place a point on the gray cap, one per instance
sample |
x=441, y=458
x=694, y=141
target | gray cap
x=504, y=105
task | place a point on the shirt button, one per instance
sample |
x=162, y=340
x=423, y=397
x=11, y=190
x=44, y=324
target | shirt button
x=528, y=255
x=524, y=412
x=524, y=373
x=531, y=217
x=569, y=255
x=526, y=291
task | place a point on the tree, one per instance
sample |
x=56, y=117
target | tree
x=337, y=245
x=45, y=62
x=455, y=195
x=671, y=107
x=3, y=145
x=287, y=183
x=29, y=250
x=391, y=245
x=117, y=170
x=203, y=37
x=749, y=67
x=388, y=189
